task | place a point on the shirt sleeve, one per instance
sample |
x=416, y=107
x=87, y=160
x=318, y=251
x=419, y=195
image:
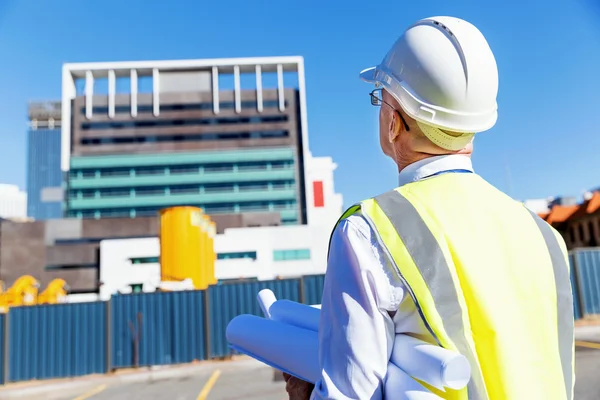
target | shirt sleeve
x=356, y=331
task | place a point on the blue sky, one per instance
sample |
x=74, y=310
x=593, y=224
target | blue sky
x=546, y=141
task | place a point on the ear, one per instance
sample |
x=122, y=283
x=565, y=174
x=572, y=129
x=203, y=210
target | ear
x=396, y=126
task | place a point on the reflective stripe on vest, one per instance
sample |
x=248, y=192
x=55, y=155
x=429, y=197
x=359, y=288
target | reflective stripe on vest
x=565, y=302
x=428, y=257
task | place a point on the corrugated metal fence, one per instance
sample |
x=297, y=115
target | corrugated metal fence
x=157, y=329
x=3, y=345
x=56, y=341
x=312, y=289
x=42, y=342
x=585, y=279
x=227, y=301
x=574, y=286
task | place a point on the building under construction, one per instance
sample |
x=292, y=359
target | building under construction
x=178, y=134
x=228, y=136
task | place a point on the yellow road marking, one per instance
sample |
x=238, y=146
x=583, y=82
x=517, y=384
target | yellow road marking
x=590, y=345
x=209, y=385
x=91, y=393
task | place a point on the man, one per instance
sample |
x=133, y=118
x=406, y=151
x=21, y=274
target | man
x=445, y=257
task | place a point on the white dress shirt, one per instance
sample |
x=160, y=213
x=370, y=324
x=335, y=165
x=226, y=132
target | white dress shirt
x=364, y=303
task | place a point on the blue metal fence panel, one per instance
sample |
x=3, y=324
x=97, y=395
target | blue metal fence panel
x=227, y=301
x=575, y=288
x=2, y=346
x=55, y=341
x=588, y=265
x=312, y=287
x=171, y=329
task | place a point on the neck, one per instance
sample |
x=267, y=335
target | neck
x=404, y=161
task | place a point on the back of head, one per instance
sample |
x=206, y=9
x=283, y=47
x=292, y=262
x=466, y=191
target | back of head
x=444, y=75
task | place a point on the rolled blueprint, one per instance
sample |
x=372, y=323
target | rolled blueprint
x=296, y=314
x=398, y=385
x=266, y=298
x=431, y=364
x=284, y=347
x=295, y=351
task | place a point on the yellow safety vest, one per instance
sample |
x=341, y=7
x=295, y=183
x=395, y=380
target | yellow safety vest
x=490, y=280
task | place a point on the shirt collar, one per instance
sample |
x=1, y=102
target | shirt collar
x=433, y=165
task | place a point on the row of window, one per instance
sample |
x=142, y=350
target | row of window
x=289, y=255
x=247, y=255
x=181, y=169
x=96, y=240
x=583, y=234
x=148, y=108
x=167, y=190
x=144, y=260
x=201, y=137
x=219, y=208
x=70, y=266
x=166, y=123
x=278, y=255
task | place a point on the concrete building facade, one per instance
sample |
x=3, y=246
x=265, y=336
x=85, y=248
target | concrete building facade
x=111, y=254
x=579, y=224
x=70, y=248
x=239, y=153
x=261, y=253
x=187, y=142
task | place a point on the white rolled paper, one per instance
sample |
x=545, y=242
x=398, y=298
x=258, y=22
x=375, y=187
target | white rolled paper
x=429, y=363
x=266, y=298
x=296, y=314
x=295, y=351
x=284, y=347
x=399, y=386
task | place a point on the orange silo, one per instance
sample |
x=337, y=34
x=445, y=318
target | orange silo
x=212, y=256
x=203, y=245
x=207, y=249
x=181, y=252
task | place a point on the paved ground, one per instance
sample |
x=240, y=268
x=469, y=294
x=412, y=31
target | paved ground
x=254, y=383
x=242, y=379
x=587, y=364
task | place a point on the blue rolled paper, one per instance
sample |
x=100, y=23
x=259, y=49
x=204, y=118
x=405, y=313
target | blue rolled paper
x=285, y=347
x=293, y=313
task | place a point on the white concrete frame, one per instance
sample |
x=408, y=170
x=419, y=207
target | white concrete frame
x=49, y=123
x=135, y=69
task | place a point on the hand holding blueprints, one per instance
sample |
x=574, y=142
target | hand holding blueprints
x=268, y=340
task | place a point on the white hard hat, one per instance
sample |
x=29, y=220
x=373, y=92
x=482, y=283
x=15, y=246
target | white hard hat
x=444, y=75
